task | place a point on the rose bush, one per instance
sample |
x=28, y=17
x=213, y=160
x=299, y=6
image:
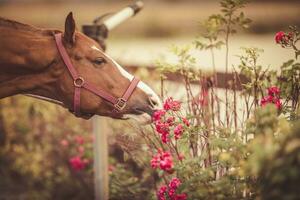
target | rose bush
x=217, y=154
x=239, y=142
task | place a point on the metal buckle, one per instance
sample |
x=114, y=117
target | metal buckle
x=120, y=105
x=78, y=82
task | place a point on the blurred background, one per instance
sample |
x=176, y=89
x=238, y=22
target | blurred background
x=161, y=24
x=37, y=139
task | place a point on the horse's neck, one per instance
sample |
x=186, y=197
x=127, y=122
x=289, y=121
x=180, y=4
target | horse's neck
x=26, y=58
x=23, y=51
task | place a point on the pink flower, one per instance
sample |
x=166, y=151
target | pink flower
x=64, y=143
x=81, y=149
x=157, y=115
x=165, y=138
x=77, y=163
x=172, y=192
x=174, y=183
x=178, y=130
x=162, y=160
x=166, y=161
x=181, y=156
x=278, y=104
x=279, y=36
x=273, y=91
x=79, y=139
x=265, y=100
x=171, y=120
x=185, y=121
x=273, y=97
x=155, y=162
x=171, y=104
x=111, y=168
x=270, y=99
x=161, y=193
x=162, y=127
x=182, y=196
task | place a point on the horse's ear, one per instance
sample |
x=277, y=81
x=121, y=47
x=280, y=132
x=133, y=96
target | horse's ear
x=69, y=35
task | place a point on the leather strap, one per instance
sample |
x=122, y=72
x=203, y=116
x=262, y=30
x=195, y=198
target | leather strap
x=131, y=88
x=100, y=93
x=79, y=82
x=63, y=53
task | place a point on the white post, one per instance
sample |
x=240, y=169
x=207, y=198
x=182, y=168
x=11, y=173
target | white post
x=123, y=15
x=100, y=158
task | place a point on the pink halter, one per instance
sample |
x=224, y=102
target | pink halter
x=79, y=82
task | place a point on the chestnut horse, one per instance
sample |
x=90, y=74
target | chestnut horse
x=30, y=63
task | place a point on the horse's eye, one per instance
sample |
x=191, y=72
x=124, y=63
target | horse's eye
x=99, y=61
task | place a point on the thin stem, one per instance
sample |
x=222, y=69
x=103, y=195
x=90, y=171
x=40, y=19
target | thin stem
x=162, y=86
x=228, y=30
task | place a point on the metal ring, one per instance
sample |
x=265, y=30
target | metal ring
x=79, y=82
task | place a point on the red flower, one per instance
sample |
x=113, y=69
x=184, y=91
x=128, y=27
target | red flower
x=182, y=196
x=161, y=193
x=185, y=121
x=273, y=91
x=162, y=127
x=172, y=193
x=171, y=104
x=155, y=162
x=265, y=100
x=279, y=36
x=165, y=138
x=278, y=104
x=77, y=163
x=166, y=161
x=170, y=120
x=178, y=130
x=162, y=160
x=174, y=183
x=273, y=97
x=157, y=115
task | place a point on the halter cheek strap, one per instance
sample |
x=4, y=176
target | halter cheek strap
x=79, y=83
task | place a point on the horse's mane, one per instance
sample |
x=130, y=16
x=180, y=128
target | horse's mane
x=17, y=25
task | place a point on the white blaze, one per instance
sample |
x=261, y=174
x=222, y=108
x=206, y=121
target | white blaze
x=141, y=85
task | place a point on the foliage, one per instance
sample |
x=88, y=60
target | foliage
x=239, y=142
x=227, y=155
x=33, y=164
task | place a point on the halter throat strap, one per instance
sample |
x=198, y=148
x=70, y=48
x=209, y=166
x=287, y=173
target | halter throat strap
x=79, y=82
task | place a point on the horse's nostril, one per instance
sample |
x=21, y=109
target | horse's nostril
x=153, y=101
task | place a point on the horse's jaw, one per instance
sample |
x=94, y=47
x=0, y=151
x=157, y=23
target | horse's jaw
x=142, y=119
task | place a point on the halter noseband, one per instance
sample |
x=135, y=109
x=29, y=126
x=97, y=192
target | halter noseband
x=79, y=82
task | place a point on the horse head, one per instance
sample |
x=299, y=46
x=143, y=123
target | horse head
x=105, y=74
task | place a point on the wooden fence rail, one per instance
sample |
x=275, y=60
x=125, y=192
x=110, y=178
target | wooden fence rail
x=223, y=78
